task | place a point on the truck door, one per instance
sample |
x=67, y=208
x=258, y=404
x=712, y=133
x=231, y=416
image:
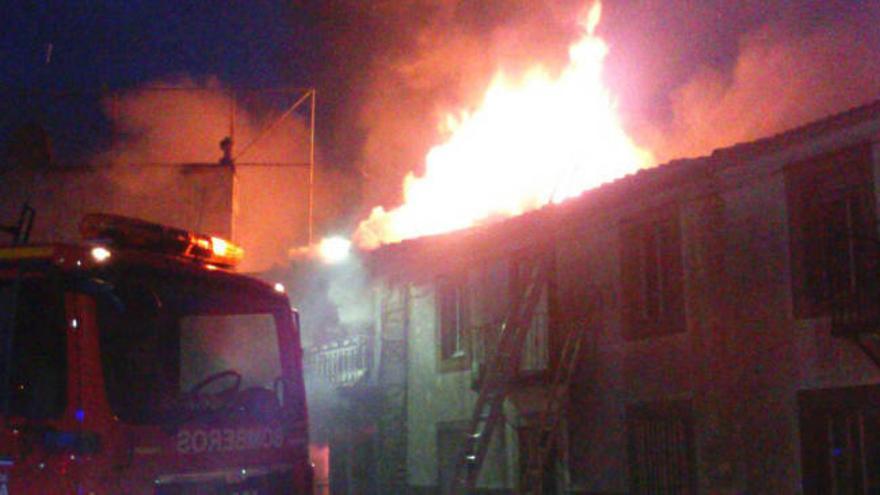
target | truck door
x=35, y=405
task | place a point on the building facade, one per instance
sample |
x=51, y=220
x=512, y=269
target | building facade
x=727, y=306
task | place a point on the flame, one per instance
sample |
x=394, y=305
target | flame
x=530, y=142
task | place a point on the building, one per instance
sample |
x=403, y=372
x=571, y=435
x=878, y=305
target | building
x=727, y=307
x=263, y=209
x=193, y=196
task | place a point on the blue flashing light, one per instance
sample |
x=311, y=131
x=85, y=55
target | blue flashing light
x=80, y=415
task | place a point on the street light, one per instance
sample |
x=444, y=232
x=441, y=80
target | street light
x=334, y=250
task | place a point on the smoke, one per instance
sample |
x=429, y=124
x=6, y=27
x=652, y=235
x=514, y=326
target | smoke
x=418, y=60
x=781, y=78
x=334, y=299
x=161, y=129
x=689, y=77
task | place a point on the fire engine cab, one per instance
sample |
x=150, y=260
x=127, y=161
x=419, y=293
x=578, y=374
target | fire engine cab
x=138, y=363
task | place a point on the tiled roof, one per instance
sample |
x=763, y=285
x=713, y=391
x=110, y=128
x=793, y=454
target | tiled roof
x=849, y=118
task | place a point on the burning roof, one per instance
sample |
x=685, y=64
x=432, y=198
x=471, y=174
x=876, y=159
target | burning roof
x=544, y=225
x=535, y=139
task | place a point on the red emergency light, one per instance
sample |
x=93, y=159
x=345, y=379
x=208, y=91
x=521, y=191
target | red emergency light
x=133, y=233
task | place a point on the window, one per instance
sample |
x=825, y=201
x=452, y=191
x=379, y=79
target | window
x=531, y=272
x=172, y=348
x=450, y=445
x=211, y=344
x=661, y=448
x=451, y=306
x=526, y=446
x=36, y=384
x=833, y=232
x=840, y=440
x=651, y=269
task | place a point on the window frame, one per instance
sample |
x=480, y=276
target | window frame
x=541, y=342
x=672, y=414
x=176, y=297
x=455, y=358
x=55, y=364
x=652, y=274
x=813, y=188
x=450, y=442
x=828, y=464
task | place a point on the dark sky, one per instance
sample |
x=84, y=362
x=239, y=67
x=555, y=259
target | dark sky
x=382, y=68
x=130, y=42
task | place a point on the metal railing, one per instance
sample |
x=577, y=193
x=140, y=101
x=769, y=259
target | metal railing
x=342, y=363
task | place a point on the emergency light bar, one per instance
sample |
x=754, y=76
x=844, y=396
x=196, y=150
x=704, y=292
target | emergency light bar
x=133, y=233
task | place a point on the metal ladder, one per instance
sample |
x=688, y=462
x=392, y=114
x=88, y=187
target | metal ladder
x=21, y=231
x=494, y=384
x=546, y=431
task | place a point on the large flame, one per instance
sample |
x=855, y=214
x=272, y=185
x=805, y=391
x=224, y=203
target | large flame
x=530, y=142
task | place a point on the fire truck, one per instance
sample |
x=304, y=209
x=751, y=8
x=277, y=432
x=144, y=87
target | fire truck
x=138, y=362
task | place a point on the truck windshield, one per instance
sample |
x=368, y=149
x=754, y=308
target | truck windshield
x=171, y=347
x=33, y=348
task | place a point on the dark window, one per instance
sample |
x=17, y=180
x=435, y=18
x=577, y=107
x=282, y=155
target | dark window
x=34, y=310
x=833, y=239
x=527, y=445
x=651, y=269
x=661, y=448
x=840, y=440
x=451, y=306
x=450, y=445
x=530, y=276
x=162, y=338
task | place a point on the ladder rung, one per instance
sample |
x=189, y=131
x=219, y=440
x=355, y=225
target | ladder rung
x=501, y=364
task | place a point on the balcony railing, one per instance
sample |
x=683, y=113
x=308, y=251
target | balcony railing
x=343, y=363
x=536, y=354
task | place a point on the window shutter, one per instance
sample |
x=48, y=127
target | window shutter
x=631, y=280
x=672, y=270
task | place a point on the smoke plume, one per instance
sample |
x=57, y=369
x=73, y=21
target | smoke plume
x=419, y=60
x=690, y=78
x=159, y=130
x=780, y=79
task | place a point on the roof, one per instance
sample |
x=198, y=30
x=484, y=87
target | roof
x=532, y=227
x=849, y=118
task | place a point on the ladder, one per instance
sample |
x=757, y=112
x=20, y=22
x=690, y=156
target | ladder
x=501, y=367
x=544, y=437
x=21, y=231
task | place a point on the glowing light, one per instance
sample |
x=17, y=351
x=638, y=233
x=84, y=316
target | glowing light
x=279, y=287
x=100, y=254
x=146, y=236
x=220, y=246
x=532, y=141
x=334, y=249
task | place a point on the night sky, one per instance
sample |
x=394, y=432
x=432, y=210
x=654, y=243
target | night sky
x=382, y=69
